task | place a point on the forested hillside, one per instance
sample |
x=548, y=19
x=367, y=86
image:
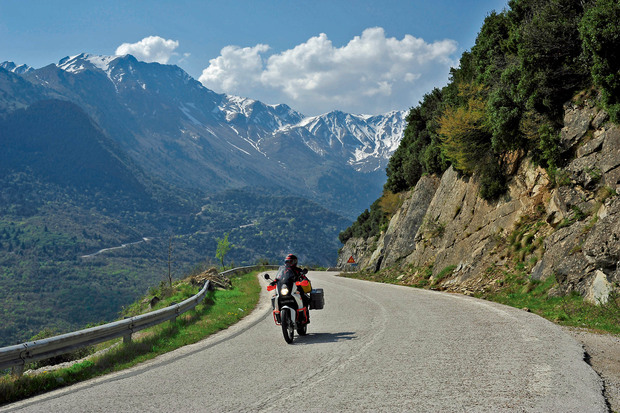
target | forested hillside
x=506, y=98
x=65, y=190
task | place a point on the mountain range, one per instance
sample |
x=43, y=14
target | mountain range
x=186, y=134
x=12, y=67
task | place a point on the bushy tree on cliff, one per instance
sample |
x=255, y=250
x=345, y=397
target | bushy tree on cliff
x=467, y=140
x=546, y=34
x=600, y=35
x=464, y=134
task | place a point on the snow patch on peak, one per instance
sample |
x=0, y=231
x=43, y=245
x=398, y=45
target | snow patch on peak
x=234, y=105
x=84, y=61
x=102, y=62
x=241, y=101
x=309, y=122
x=263, y=116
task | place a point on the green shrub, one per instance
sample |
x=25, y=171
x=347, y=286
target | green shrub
x=549, y=148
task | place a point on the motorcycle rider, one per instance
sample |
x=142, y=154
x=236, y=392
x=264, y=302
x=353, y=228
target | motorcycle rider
x=300, y=275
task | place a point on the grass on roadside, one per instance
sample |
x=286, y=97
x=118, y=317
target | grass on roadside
x=219, y=310
x=521, y=291
x=517, y=289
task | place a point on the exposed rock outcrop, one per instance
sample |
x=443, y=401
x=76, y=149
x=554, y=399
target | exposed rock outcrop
x=568, y=225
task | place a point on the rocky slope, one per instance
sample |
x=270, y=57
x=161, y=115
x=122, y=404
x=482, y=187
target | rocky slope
x=566, y=224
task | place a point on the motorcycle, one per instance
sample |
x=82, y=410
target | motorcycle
x=287, y=303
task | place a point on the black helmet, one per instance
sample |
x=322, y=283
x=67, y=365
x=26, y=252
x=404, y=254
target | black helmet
x=290, y=260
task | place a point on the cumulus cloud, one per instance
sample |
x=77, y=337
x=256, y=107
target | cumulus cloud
x=150, y=49
x=235, y=69
x=371, y=74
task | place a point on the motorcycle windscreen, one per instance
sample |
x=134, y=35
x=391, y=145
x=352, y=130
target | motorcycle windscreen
x=286, y=275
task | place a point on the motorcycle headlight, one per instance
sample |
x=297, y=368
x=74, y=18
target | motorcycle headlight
x=284, y=290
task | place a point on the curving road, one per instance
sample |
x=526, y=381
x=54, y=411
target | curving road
x=375, y=347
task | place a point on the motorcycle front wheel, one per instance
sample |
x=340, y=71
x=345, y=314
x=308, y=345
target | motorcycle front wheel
x=288, y=327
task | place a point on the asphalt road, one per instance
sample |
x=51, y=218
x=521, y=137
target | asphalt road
x=374, y=347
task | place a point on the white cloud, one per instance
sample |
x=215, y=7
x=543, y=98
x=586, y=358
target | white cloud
x=150, y=49
x=371, y=74
x=235, y=69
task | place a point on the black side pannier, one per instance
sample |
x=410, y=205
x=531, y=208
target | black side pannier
x=317, y=299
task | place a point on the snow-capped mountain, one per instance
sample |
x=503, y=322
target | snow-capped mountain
x=11, y=67
x=183, y=132
x=366, y=141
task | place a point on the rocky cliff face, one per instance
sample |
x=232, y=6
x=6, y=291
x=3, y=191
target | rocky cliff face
x=566, y=225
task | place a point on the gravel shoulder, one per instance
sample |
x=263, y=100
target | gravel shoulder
x=603, y=351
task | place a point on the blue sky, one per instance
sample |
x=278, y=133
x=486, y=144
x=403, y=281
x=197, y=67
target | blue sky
x=316, y=56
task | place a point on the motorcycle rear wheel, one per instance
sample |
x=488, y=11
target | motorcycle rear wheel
x=302, y=329
x=288, y=327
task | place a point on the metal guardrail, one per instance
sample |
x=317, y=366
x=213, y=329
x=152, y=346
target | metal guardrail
x=18, y=355
x=243, y=270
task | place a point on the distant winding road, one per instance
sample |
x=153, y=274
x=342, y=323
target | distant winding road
x=101, y=251
x=375, y=347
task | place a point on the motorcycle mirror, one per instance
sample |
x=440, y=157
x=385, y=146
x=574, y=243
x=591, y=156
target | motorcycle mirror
x=304, y=271
x=266, y=276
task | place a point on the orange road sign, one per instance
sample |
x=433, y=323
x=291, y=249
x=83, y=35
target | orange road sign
x=351, y=260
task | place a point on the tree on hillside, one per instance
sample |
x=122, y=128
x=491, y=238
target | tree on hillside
x=223, y=246
x=600, y=35
x=549, y=53
x=490, y=52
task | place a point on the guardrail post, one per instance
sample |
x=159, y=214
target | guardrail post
x=127, y=336
x=176, y=314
